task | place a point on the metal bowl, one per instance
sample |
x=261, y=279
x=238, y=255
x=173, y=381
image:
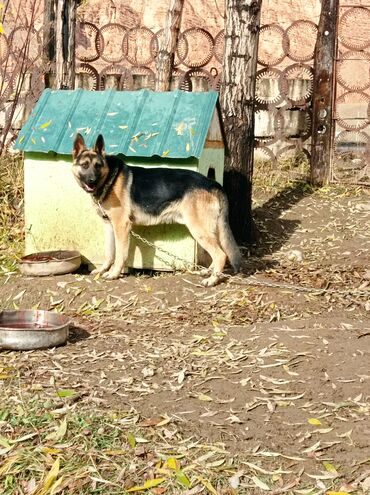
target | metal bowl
x=50, y=263
x=32, y=329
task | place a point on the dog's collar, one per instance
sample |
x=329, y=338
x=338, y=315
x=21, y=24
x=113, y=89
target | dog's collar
x=103, y=191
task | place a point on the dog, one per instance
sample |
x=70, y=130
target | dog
x=125, y=196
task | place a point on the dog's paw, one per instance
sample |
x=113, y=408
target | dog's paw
x=99, y=271
x=111, y=275
x=211, y=281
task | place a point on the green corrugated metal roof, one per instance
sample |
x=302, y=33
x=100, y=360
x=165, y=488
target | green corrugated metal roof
x=134, y=123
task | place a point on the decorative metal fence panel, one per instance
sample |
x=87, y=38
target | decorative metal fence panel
x=21, y=67
x=114, y=56
x=351, y=152
x=283, y=93
x=122, y=55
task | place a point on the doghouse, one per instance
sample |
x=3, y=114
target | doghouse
x=170, y=129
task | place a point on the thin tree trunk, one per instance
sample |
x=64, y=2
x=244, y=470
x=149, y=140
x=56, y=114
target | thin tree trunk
x=167, y=46
x=237, y=103
x=65, y=43
x=323, y=93
x=48, y=52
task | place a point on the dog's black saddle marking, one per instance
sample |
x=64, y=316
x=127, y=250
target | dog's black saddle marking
x=156, y=188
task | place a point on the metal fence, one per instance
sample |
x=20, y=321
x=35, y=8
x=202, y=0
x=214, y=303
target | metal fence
x=351, y=152
x=21, y=67
x=114, y=55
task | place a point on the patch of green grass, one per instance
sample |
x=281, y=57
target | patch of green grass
x=50, y=445
x=11, y=212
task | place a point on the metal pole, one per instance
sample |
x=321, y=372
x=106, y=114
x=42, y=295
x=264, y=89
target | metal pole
x=324, y=93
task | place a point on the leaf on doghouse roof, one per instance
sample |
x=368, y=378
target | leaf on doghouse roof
x=150, y=135
x=136, y=136
x=180, y=128
x=46, y=124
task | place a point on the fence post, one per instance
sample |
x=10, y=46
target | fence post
x=324, y=93
x=66, y=12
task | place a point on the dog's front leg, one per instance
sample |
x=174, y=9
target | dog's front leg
x=109, y=248
x=121, y=228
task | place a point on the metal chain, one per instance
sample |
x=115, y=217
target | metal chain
x=298, y=288
x=248, y=280
x=164, y=251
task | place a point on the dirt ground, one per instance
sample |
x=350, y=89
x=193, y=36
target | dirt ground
x=272, y=364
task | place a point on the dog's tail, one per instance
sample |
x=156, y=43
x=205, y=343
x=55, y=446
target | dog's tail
x=226, y=237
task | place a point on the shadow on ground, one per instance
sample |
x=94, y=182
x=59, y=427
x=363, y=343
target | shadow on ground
x=273, y=231
x=77, y=333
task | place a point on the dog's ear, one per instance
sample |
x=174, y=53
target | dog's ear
x=99, y=145
x=78, y=145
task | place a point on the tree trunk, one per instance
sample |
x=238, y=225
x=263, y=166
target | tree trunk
x=48, y=51
x=237, y=103
x=323, y=93
x=167, y=46
x=65, y=44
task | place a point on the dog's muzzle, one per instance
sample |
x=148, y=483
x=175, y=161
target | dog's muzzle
x=90, y=185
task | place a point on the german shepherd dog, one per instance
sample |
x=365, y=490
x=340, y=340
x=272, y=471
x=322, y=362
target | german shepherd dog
x=125, y=196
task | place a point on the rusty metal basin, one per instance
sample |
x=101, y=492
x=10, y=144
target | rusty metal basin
x=48, y=263
x=32, y=329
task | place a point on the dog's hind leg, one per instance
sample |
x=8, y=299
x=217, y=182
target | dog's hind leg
x=208, y=241
x=109, y=248
x=200, y=213
x=210, y=244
